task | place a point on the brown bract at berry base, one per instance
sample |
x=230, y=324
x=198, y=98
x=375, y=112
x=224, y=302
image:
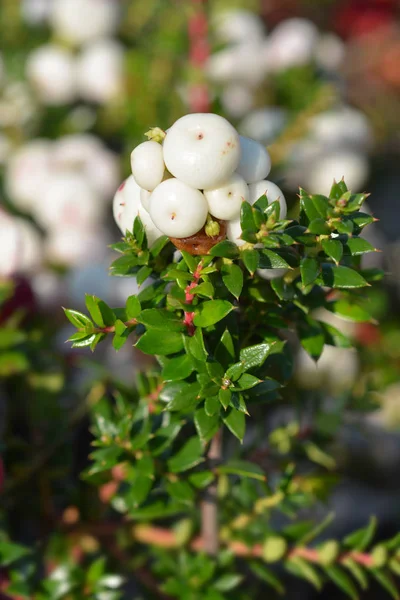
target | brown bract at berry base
x=200, y=243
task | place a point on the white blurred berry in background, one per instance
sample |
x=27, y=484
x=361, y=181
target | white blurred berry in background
x=80, y=21
x=100, y=71
x=291, y=43
x=36, y=12
x=51, y=71
x=20, y=246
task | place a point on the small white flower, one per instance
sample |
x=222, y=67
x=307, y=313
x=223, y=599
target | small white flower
x=80, y=21
x=255, y=162
x=100, y=71
x=147, y=164
x=51, y=71
x=225, y=201
x=177, y=209
x=202, y=150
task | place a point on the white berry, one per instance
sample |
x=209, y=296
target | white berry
x=100, y=71
x=202, y=150
x=147, y=164
x=145, y=199
x=255, y=162
x=234, y=231
x=225, y=202
x=272, y=192
x=177, y=209
x=80, y=21
x=51, y=71
x=127, y=206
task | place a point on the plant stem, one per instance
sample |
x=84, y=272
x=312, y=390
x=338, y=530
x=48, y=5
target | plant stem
x=209, y=505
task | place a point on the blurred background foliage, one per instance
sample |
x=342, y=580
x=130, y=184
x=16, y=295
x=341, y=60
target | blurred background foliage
x=316, y=81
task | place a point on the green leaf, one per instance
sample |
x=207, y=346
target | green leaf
x=189, y=455
x=206, y=426
x=139, y=231
x=255, y=356
x=81, y=339
x=357, y=246
x=247, y=381
x=337, y=190
x=181, y=491
x=225, y=397
x=191, y=261
x=333, y=249
x=348, y=309
x=236, y=423
x=143, y=273
x=361, y=220
x=386, y=582
x=202, y=479
x=212, y=405
x=204, y=289
x=342, y=277
x=159, y=245
x=242, y=468
x=155, y=341
x=225, y=249
x=360, y=539
x=232, y=276
x=271, y=260
x=298, y=566
x=357, y=572
x=342, y=580
x=235, y=371
x=133, y=307
x=317, y=530
x=250, y=260
x=319, y=227
x=161, y=319
x=225, y=350
x=195, y=346
x=318, y=456
x=100, y=312
x=346, y=226
x=10, y=552
x=312, y=337
x=309, y=270
x=262, y=572
x=78, y=319
x=228, y=582
x=177, y=368
x=211, y=312
x=313, y=208
x=186, y=398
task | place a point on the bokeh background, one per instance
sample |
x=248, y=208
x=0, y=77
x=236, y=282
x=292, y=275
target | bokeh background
x=318, y=82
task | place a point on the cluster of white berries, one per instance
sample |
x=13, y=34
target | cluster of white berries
x=65, y=186
x=58, y=74
x=250, y=54
x=199, y=169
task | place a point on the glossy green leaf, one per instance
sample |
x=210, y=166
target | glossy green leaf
x=206, y=426
x=177, y=368
x=225, y=249
x=271, y=260
x=255, y=356
x=250, y=260
x=133, y=307
x=225, y=396
x=333, y=249
x=232, y=276
x=309, y=271
x=228, y=582
x=78, y=319
x=211, y=312
x=242, y=468
x=357, y=246
x=189, y=455
x=155, y=341
x=247, y=381
x=161, y=319
x=236, y=423
x=186, y=398
x=342, y=580
x=342, y=277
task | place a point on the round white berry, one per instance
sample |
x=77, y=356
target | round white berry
x=238, y=26
x=202, y=150
x=147, y=164
x=27, y=173
x=224, y=202
x=75, y=246
x=178, y=209
x=292, y=42
x=127, y=206
x=255, y=162
x=269, y=274
x=145, y=199
x=51, y=71
x=272, y=192
x=100, y=71
x=80, y=21
x=68, y=200
x=234, y=231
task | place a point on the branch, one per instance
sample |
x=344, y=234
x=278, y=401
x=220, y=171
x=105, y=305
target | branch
x=209, y=507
